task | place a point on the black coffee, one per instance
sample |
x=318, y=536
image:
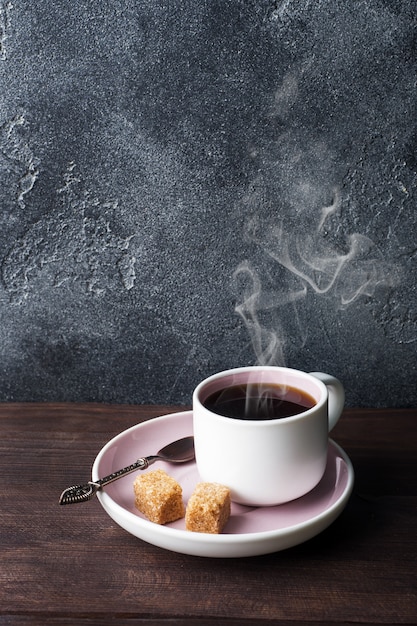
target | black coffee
x=259, y=401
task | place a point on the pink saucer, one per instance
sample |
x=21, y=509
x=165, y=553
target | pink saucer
x=250, y=531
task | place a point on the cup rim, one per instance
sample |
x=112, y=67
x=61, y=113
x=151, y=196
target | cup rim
x=211, y=385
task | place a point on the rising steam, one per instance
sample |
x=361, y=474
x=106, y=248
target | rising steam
x=313, y=265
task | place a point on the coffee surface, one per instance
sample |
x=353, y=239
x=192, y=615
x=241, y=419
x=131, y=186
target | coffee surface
x=259, y=401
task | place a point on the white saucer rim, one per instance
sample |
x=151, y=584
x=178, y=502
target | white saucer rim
x=220, y=539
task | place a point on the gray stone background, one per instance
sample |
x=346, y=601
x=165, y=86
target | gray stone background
x=191, y=186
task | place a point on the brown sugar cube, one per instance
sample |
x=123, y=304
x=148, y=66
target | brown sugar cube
x=208, y=509
x=158, y=496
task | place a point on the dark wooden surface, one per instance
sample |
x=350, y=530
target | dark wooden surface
x=74, y=565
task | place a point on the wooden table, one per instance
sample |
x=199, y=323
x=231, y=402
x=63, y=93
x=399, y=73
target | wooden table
x=73, y=565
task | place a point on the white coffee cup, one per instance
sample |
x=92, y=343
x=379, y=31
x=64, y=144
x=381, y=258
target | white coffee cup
x=266, y=462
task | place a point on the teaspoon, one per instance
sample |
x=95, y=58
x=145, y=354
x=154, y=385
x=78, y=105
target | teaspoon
x=179, y=451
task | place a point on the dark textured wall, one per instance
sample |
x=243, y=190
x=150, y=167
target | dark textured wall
x=190, y=186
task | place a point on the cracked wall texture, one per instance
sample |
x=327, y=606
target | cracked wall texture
x=187, y=187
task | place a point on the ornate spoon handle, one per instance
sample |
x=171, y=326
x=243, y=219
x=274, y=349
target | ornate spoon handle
x=82, y=493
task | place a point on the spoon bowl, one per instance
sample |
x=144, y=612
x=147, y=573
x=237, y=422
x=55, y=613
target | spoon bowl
x=179, y=451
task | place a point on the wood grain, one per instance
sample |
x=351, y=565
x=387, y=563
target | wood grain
x=66, y=565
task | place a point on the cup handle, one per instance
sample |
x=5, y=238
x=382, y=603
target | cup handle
x=336, y=396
